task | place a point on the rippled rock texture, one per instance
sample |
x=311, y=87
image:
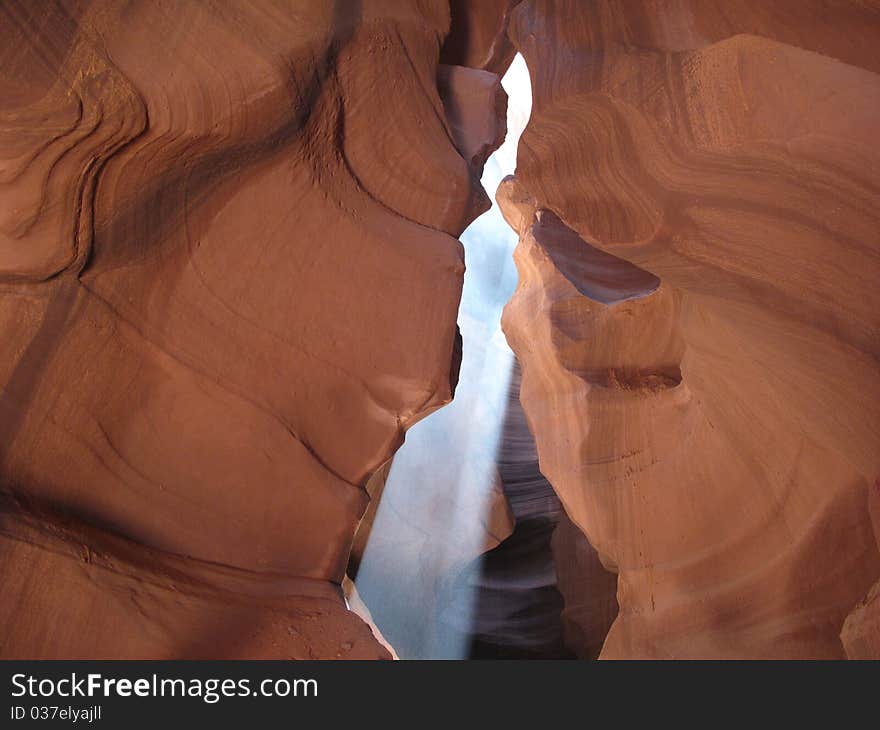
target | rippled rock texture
x=229, y=280
x=697, y=314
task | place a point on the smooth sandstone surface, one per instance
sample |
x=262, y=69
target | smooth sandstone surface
x=589, y=590
x=74, y=591
x=228, y=284
x=229, y=279
x=697, y=315
x=478, y=37
x=861, y=630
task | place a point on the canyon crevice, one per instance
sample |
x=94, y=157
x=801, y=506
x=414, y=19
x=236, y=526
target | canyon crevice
x=230, y=278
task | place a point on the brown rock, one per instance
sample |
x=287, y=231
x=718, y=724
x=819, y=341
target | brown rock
x=479, y=35
x=861, y=630
x=229, y=284
x=714, y=434
x=476, y=109
x=588, y=589
x=80, y=592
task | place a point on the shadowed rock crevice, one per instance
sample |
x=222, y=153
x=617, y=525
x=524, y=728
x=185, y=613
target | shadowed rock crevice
x=543, y=592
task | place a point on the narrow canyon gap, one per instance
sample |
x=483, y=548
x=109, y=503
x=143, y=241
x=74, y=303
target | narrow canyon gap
x=230, y=277
x=443, y=502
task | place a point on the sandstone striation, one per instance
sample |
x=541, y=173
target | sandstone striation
x=479, y=35
x=228, y=284
x=697, y=314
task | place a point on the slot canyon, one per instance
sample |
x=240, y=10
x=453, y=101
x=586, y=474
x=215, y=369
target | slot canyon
x=372, y=329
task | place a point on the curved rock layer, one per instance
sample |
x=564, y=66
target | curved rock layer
x=714, y=428
x=228, y=284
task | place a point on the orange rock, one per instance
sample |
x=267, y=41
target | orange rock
x=229, y=281
x=715, y=435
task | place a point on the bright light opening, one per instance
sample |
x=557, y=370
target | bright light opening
x=442, y=502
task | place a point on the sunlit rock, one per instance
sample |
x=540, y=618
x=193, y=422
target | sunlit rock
x=697, y=313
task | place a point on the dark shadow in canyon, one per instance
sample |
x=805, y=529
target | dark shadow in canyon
x=517, y=605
